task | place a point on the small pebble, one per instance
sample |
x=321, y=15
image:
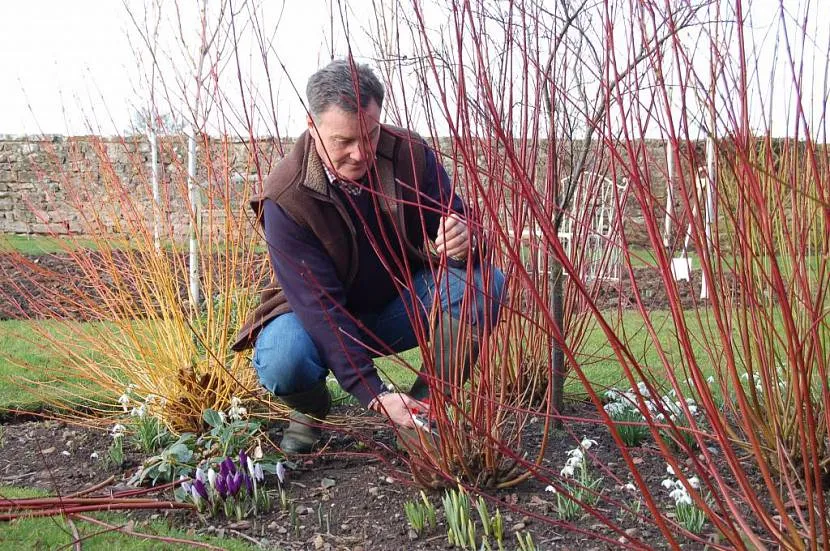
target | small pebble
x=412, y=534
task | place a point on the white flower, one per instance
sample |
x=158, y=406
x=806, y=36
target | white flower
x=260, y=476
x=679, y=494
x=574, y=462
x=630, y=487
x=124, y=400
x=236, y=411
x=93, y=455
x=710, y=379
x=587, y=443
x=667, y=483
x=576, y=452
x=139, y=412
x=670, y=470
x=200, y=475
x=222, y=416
x=550, y=489
x=258, y=452
x=211, y=476
x=567, y=471
x=280, y=471
x=642, y=387
x=744, y=376
x=694, y=482
x=250, y=465
x=118, y=431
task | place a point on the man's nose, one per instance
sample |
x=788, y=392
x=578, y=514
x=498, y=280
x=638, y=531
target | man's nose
x=358, y=153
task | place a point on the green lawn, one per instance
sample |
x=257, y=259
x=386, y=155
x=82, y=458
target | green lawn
x=55, y=533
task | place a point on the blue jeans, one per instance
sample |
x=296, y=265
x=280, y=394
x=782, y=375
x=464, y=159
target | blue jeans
x=287, y=360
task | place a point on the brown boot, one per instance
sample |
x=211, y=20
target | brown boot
x=310, y=408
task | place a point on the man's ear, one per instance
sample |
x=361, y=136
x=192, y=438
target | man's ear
x=312, y=129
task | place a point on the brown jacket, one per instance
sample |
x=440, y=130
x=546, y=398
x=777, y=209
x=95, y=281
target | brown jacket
x=300, y=187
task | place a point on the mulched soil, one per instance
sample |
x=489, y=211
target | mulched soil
x=37, y=287
x=363, y=510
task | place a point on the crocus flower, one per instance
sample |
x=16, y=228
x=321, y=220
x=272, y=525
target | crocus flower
x=243, y=458
x=187, y=486
x=249, y=463
x=280, y=472
x=235, y=483
x=260, y=476
x=221, y=486
x=249, y=484
x=200, y=475
x=199, y=488
x=211, y=476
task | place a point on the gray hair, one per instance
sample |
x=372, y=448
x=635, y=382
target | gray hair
x=334, y=85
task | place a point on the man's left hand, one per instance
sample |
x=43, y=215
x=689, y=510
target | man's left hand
x=453, y=237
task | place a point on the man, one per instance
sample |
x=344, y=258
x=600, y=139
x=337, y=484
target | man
x=347, y=217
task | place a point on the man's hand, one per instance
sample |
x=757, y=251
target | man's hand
x=453, y=237
x=400, y=408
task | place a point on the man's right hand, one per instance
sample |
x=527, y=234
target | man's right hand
x=400, y=408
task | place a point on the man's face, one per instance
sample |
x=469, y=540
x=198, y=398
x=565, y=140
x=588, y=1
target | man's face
x=346, y=142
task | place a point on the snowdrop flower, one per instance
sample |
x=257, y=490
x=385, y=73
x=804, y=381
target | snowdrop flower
x=124, y=400
x=93, y=455
x=694, y=482
x=630, y=487
x=280, y=471
x=575, y=453
x=567, y=471
x=118, y=431
x=670, y=470
x=236, y=411
x=642, y=387
x=222, y=416
x=139, y=412
x=587, y=443
x=710, y=379
x=550, y=489
x=744, y=376
x=667, y=483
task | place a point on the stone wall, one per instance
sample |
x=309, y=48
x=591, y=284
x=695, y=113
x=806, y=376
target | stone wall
x=75, y=185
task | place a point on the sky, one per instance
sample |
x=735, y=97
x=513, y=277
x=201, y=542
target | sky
x=78, y=67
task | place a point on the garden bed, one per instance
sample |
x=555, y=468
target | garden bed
x=360, y=504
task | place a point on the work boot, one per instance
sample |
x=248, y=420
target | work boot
x=310, y=408
x=450, y=370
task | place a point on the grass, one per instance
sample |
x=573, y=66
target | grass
x=55, y=533
x=24, y=365
x=42, y=244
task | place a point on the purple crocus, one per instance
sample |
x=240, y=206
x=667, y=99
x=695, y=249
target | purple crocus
x=258, y=474
x=228, y=467
x=221, y=486
x=234, y=483
x=243, y=459
x=249, y=484
x=199, y=488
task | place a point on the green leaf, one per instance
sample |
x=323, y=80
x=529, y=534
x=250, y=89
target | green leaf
x=212, y=418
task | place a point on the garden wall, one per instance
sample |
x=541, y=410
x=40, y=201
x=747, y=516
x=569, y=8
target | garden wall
x=48, y=184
